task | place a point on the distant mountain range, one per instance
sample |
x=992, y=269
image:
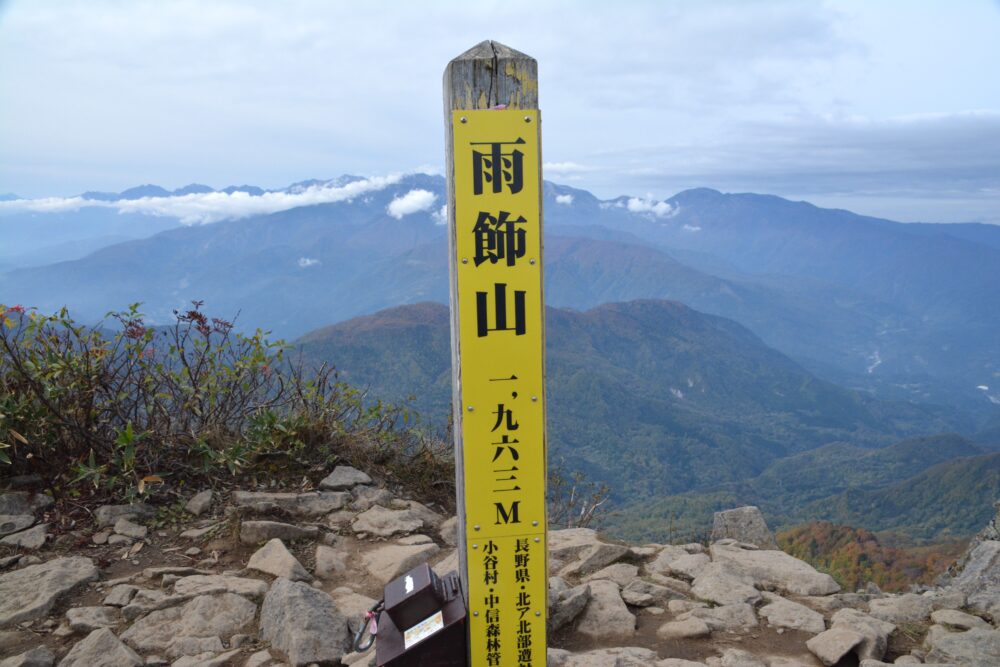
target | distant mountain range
x=733, y=347
x=906, y=311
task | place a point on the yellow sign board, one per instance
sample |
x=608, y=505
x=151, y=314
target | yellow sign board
x=498, y=246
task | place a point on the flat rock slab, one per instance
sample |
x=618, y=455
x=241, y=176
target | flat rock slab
x=343, y=478
x=393, y=560
x=621, y=656
x=88, y=619
x=200, y=584
x=107, y=515
x=958, y=620
x=300, y=504
x=32, y=591
x=15, y=523
x=782, y=613
x=274, y=559
x=689, y=628
x=726, y=618
x=255, y=532
x=832, y=645
x=723, y=585
x=605, y=614
x=382, y=522
x=205, y=616
x=593, y=558
x=774, y=570
x=103, y=648
x=32, y=539
x=304, y=624
x=20, y=502
x=907, y=608
x=620, y=573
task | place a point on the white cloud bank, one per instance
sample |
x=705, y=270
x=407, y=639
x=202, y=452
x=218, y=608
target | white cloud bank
x=564, y=199
x=203, y=208
x=413, y=201
x=660, y=209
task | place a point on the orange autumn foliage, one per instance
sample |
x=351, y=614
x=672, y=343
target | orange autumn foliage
x=855, y=556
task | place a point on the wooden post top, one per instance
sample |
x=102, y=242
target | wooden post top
x=490, y=74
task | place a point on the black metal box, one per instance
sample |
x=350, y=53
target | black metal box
x=417, y=633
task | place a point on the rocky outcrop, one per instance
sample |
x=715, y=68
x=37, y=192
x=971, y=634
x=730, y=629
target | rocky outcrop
x=686, y=604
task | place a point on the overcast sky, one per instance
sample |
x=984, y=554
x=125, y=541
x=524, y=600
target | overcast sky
x=886, y=108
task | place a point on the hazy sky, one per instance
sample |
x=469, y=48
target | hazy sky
x=887, y=108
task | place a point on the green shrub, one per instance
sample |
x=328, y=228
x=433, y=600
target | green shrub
x=123, y=408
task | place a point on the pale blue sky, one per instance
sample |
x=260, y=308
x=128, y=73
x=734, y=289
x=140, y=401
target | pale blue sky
x=887, y=108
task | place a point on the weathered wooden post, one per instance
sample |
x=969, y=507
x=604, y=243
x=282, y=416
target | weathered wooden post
x=498, y=344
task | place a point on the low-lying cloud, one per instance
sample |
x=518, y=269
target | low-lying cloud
x=203, y=208
x=660, y=209
x=413, y=201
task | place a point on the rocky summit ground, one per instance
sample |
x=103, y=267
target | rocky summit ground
x=260, y=578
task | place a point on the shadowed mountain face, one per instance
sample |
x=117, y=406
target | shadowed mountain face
x=651, y=396
x=908, y=312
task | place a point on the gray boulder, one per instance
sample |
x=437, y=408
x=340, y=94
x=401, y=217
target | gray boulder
x=40, y=656
x=565, y=606
x=200, y=502
x=21, y=502
x=980, y=578
x=304, y=624
x=832, y=645
x=276, y=560
x=206, y=616
x=31, y=592
x=743, y=524
x=782, y=613
x=343, y=478
x=606, y=614
x=393, y=560
x=330, y=562
x=101, y=648
x=875, y=632
x=688, y=628
x=978, y=647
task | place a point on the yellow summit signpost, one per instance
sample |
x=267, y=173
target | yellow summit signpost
x=498, y=342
